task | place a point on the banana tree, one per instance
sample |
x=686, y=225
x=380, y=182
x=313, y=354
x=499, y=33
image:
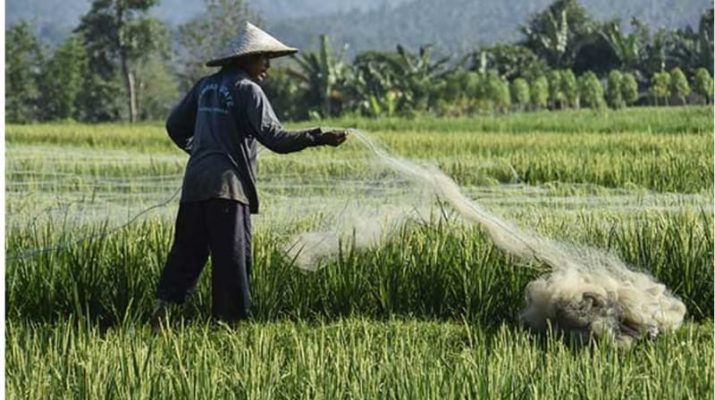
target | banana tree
x=554, y=41
x=557, y=34
x=508, y=60
x=423, y=73
x=416, y=75
x=692, y=50
x=400, y=81
x=322, y=74
x=373, y=87
x=627, y=48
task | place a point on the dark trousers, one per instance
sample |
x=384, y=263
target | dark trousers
x=223, y=229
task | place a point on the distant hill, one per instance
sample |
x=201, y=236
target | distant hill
x=53, y=19
x=454, y=26
x=276, y=10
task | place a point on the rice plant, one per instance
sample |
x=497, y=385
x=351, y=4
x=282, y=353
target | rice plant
x=429, y=311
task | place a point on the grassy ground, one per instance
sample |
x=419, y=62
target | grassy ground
x=427, y=313
x=352, y=358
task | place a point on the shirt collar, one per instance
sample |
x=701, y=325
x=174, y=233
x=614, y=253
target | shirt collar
x=235, y=69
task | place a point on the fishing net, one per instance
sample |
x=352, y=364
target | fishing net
x=587, y=292
x=319, y=202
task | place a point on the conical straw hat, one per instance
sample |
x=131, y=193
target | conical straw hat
x=251, y=40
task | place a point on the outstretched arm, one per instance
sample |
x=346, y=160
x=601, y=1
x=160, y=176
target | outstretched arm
x=266, y=128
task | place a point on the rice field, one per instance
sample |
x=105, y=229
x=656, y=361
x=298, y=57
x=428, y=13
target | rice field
x=428, y=311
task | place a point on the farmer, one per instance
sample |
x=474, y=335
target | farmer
x=219, y=123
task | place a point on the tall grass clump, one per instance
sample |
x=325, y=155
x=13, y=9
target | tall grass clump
x=351, y=358
x=443, y=271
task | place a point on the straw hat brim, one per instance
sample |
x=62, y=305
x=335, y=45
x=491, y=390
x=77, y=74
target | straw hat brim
x=270, y=54
x=252, y=40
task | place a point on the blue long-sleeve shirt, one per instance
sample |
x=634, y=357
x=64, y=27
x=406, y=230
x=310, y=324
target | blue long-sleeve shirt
x=218, y=123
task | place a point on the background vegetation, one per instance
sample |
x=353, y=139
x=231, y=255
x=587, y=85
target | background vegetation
x=123, y=64
x=453, y=26
x=558, y=122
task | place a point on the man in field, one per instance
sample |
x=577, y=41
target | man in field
x=219, y=123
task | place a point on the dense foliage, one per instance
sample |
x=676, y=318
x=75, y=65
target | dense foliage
x=117, y=66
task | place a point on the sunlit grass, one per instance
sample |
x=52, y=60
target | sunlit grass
x=429, y=312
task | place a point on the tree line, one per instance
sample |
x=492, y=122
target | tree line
x=121, y=64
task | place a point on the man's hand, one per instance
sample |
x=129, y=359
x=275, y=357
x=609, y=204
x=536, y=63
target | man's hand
x=332, y=138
